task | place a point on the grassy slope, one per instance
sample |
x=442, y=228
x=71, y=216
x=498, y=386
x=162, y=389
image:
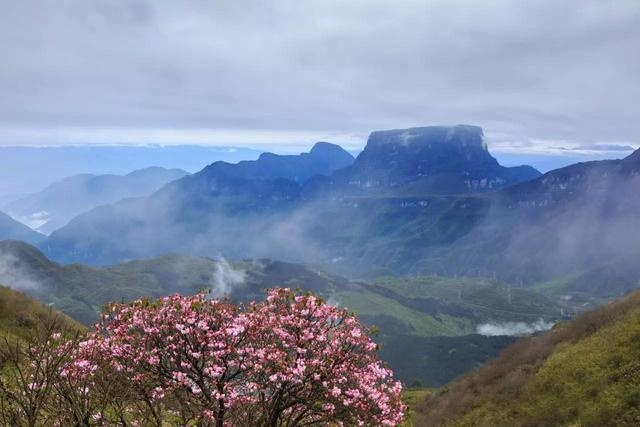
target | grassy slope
x=412, y=396
x=20, y=315
x=486, y=300
x=584, y=372
x=84, y=290
x=371, y=304
x=433, y=306
x=425, y=306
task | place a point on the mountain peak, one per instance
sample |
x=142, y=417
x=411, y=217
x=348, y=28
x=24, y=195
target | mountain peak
x=12, y=229
x=429, y=150
x=428, y=160
x=156, y=171
x=322, y=147
x=634, y=157
x=465, y=135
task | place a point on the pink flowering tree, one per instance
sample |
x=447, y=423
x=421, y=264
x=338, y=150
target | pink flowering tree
x=30, y=374
x=186, y=357
x=316, y=364
x=291, y=360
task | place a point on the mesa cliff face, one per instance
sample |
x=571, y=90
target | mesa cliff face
x=425, y=160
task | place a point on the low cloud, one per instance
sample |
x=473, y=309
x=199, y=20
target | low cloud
x=606, y=148
x=35, y=220
x=14, y=276
x=225, y=278
x=513, y=328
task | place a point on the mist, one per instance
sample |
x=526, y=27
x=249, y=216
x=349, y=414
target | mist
x=513, y=328
x=225, y=278
x=15, y=276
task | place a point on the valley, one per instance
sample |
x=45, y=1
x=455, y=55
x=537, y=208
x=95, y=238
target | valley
x=567, y=376
x=439, y=314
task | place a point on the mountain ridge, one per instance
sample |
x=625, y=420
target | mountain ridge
x=12, y=229
x=529, y=232
x=63, y=200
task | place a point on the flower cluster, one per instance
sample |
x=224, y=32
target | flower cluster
x=289, y=360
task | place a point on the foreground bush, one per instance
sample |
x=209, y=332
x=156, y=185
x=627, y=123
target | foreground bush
x=291, y=360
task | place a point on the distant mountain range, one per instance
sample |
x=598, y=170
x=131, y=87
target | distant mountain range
x=415, y=201
x=221, y=202
x=18, y=164
x=58, y=203
x=260, y=208
x=12, y=229
x=323, y=159
x=564, y=223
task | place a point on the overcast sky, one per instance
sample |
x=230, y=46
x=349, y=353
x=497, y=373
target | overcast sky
x=538, y=76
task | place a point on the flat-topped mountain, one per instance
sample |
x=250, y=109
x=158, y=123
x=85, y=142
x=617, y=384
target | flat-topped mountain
x=560, y=224
x=406, y=187
x=425, y=160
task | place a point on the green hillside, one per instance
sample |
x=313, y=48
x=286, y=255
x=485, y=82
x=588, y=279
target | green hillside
x=20, y=315
x=480, y=299
x=424, y=306
x=427, y=325
x=582, y=373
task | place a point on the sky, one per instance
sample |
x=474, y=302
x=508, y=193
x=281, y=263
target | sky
x=543, y=78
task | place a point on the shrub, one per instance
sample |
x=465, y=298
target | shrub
x=291, y=360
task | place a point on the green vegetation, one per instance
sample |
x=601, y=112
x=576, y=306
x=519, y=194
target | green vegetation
x=584, y=372
x=423, y=306
x=427, y=325
x=375, y=306
x=20, y=315
x=482, y=299
x=435, y=361
x=412, y=396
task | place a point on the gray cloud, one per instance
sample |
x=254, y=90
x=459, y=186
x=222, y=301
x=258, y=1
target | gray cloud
x=533, y=73
x=603, y=147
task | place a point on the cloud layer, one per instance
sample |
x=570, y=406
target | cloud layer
x=534, y=74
